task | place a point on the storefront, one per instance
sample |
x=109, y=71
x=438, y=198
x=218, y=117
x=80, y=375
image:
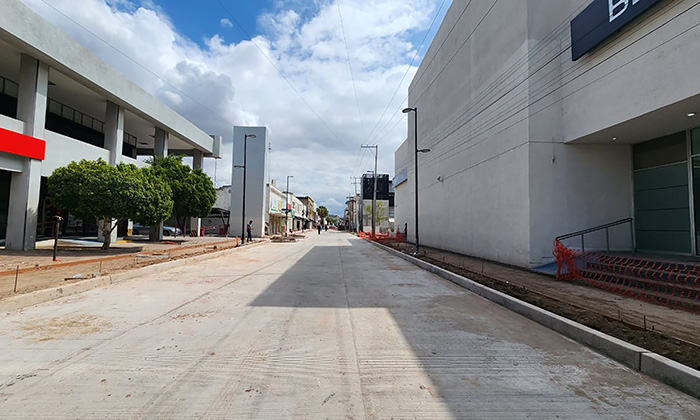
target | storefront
x=667, y=193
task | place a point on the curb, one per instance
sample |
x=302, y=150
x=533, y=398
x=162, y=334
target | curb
x=40, y=296
x=641, y=360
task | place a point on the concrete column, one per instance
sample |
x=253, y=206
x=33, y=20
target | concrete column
x=114, y=142
x=26, y=185
x=160, y=148
x=114, y=132
x=197, y=163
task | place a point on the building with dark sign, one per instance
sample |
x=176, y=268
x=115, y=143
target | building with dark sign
x=385, y=203
x=550, y=117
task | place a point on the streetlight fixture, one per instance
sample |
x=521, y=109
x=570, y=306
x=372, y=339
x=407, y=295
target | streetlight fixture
x=415, y=135
x=245, y=170
x=286, y=207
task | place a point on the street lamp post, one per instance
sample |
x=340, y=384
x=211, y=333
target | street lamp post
x=415, y=158
x=286, y=207
x=245, y=171
x=374, y=193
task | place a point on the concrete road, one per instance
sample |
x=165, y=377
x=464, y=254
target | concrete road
x=330, y=327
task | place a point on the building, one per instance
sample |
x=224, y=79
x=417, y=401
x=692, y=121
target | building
x=250, y=145
x=298, y=213
x=310, y=214
x=276, y=209
x=60, y=103
x=382, y=212
x=550, y=117
x=217, y=223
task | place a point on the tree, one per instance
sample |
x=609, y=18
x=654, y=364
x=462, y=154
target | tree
x=95, y=190
x=193, y=191
x=322, y=212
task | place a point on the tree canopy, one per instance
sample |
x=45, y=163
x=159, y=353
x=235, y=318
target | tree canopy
x=95, y=190
x=193, y=191
x=322, y=212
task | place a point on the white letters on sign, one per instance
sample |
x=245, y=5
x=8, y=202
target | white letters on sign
x=618, y=7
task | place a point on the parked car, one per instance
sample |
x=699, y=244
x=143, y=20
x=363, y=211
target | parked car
x=167, y=230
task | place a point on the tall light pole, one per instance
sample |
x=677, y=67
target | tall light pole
x=374, y=192
x=286, y=207
x=245, y=170
x=415, y=158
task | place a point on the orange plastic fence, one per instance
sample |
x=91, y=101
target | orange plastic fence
x=670, y=283
x=384, y=237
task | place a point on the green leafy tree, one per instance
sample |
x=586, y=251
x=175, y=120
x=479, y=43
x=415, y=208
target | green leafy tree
x=322, y=212
x=95, y=190
x=193, y=191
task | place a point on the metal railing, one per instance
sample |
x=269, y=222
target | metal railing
x=70, y=113
x=11, y=88
x=605, y=227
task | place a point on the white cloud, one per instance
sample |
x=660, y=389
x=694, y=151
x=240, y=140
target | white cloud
x=225, y=23
x=238, y=83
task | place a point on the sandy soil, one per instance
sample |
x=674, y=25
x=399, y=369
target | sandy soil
x=35, y=270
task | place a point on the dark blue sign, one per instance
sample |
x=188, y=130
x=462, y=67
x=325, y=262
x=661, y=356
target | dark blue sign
x=601, y=19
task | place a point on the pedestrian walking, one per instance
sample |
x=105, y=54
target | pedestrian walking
x=319, y=228
x=249, y=229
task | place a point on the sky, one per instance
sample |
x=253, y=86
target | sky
x=325, y=76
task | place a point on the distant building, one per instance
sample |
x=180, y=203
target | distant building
x=276, y=210
x=255, y=143
x=382, y=213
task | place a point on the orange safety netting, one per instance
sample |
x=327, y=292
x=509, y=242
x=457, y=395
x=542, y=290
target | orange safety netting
x=671, y=283
x=384, y=237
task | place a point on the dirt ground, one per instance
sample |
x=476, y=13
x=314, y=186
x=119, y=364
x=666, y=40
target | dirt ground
x=672, y=333
x=78, y=260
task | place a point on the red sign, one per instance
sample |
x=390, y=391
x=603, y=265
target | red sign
x=19, y=144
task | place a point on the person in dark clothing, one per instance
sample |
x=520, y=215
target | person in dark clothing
x=319, y=228
x=249, y=229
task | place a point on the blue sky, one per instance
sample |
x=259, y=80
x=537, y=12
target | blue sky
x=294, y=77
x=203, y=21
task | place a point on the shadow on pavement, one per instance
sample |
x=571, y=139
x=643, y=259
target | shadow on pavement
x=476, y=359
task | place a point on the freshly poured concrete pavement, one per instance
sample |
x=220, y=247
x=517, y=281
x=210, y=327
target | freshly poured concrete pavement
x=330, y=327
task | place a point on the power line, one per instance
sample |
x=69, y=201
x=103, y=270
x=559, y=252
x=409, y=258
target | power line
x=136, y=62
x=269, y=60
x=528, y=103
x=352, y=74
x=408, y=68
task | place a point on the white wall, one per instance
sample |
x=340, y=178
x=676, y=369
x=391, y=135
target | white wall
x=62, y=150
x=403, y=193
x=521, y=135
x=255, y=179
x=479, y=204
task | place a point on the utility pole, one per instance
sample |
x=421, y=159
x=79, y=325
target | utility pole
x=374, y=192
x=352, y=211
x=358, y=213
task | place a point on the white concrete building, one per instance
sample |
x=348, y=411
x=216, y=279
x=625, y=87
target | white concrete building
x=531, y=138
x=275, y=210
x=254, y=141
x=60, y=103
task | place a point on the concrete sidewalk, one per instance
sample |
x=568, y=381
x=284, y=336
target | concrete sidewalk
x=328, y=327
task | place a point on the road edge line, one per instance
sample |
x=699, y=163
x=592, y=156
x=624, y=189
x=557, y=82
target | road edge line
x=654, y=365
